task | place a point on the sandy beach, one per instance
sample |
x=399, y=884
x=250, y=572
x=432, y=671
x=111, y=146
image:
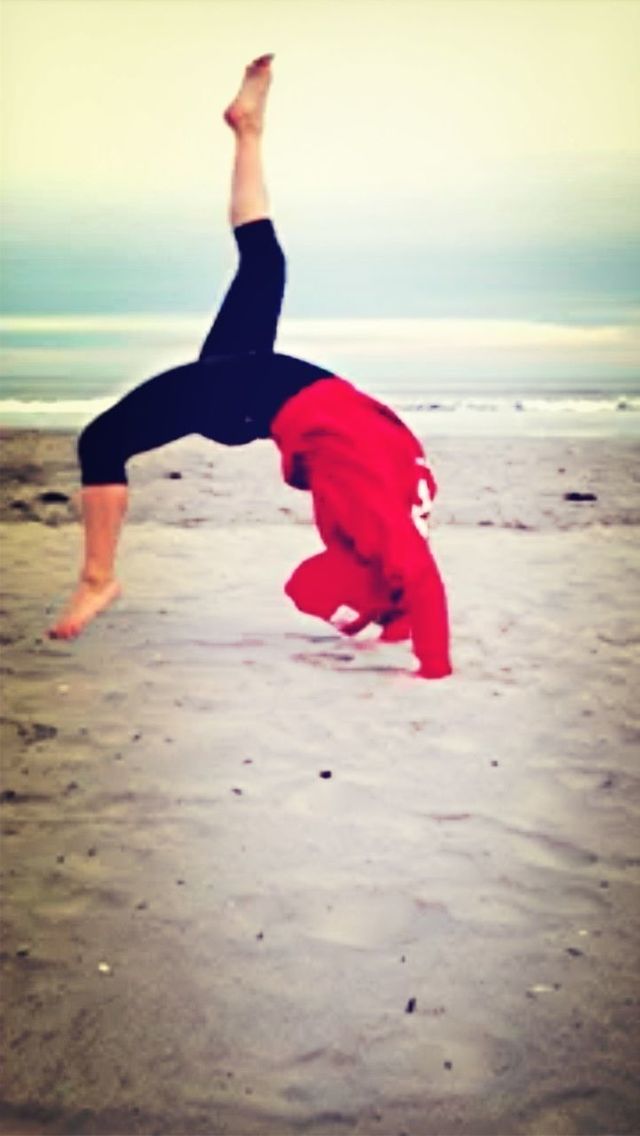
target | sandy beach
x=260, y=881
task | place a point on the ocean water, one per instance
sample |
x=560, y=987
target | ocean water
x=443, y=376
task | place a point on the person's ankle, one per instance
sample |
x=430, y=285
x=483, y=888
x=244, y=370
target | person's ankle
x=96, y=578
x=248, y=129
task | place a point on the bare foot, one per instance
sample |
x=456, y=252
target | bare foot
x=87, y=601
x=246, y=112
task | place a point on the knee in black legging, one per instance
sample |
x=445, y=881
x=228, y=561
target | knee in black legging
x=261, y=258
x=257, y=241
x=100, y=454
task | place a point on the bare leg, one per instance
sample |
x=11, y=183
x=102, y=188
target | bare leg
x=245, y=116
x=104, y=506
x=103, y=510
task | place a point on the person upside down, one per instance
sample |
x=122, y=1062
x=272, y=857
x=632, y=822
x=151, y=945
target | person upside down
x=369, y=481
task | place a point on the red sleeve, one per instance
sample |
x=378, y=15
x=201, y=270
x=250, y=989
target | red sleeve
x=426, y=602
x=429, y=620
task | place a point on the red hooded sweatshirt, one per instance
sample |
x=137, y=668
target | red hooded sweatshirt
x=371, y=490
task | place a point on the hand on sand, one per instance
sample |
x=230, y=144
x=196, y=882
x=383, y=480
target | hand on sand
x=87, y=601
x=352, y=626
x=246, y=112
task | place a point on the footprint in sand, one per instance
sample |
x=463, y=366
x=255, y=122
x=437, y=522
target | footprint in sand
x=328, y=660
x=359, y=920
x=341, y=661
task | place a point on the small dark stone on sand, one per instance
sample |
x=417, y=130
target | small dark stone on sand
x=607, y=783
x=410, y=1007
x=180, y=883
x=60, y=859
x=71, y=787
x=21, y=506
x=23, y=952
x=260, y=935
x=175, y=475
x=326, y=774
x=142, y=906
x=53, y=497
x=37, y=732
x=448, y=1064
x=575, y=496
x=238, y=792
x=8, y=795
x=574, y=952
x=604, y=883
x=494, y=763
x=403, y=958
x=136, y=737
x=92, y=852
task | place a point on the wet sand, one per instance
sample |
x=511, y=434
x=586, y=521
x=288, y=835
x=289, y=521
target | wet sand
x=258, y=879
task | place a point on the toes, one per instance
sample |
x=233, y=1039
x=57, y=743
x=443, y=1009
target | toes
x=63, y=631
x=262, y=61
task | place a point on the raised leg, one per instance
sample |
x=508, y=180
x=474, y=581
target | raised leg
x=248, y=318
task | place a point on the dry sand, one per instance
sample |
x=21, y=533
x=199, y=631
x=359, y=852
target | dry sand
x=204, y=934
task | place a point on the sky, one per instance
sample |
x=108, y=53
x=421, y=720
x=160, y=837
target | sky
x=472, y=159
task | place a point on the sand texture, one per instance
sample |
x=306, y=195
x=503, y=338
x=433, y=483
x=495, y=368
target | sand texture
x=260, y=881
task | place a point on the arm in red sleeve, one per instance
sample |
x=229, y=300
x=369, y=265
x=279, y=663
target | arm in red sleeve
x=425, y=601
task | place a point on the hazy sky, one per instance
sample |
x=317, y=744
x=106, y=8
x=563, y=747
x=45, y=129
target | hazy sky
x=446, y=157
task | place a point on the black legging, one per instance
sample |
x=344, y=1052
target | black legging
x=229, y=394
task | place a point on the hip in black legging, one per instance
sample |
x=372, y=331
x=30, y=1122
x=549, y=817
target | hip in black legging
x=233, y=391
